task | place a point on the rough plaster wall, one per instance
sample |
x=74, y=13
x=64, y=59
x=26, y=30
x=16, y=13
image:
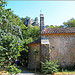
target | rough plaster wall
x=44, y=52
x=62, y=48
x=31, y=59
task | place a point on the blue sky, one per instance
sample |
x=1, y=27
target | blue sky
x=55, y=12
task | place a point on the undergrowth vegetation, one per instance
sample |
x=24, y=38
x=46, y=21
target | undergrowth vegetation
x=49, y=67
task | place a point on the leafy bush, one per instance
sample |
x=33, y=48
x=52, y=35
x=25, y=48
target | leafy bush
x=49, y=67
x=14, y=37
x=12, y=69
x=10, y=39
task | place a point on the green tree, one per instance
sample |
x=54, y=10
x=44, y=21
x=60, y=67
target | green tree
x=12, y=26
x=47, y=26
x=36, y=18
x=70, y=23
x=25, y=20
x=60, y=26
x=29, y=34
x=51, y=26
x=10, y=46
x=10, y=38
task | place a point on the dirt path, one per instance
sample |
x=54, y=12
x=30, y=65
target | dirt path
x=42, y=74
x=27, y=74
x=24, y=72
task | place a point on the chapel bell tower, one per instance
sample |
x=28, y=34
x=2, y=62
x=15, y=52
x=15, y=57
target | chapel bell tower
x=42, y=22
x=45, y=46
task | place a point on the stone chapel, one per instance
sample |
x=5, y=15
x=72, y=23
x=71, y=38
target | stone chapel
x=54, y=44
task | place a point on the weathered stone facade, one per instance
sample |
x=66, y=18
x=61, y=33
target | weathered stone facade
x=62, y=48
x=45, y=52
x=31, y=58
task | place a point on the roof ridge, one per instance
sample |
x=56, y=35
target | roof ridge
x=58, y=30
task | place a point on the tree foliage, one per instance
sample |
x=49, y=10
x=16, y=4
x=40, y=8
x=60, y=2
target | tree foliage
x=10, y=38
x=14, y=37
x=70, y=23
x=9, y=49
x=52, y=26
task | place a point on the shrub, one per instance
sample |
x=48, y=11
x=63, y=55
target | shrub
x=12, y=70
x=49, y=67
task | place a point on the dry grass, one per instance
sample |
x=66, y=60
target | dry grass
x=3, y=73
x=65, y=73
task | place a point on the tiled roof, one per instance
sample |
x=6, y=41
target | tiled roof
x=36, y=41
x=55, y=30
x=58, y=30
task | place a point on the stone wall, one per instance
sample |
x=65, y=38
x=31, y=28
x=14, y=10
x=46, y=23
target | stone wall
x=62, y=48
x=31, y=59
x=45, y=52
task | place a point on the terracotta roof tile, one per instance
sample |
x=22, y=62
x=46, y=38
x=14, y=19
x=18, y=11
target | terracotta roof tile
x=55, y=30
x=58, y=30
x=36, y=41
